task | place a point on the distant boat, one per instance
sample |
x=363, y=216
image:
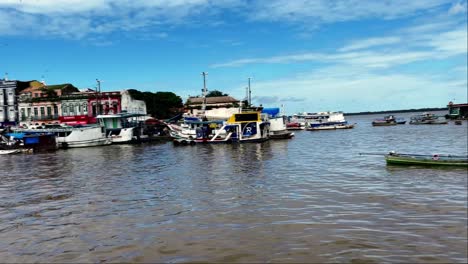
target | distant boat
x=428, y=119
x=327, y=121
x=386, y=121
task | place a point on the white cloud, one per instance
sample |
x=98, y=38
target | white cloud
x=79, y=18
x=458, y=8
x=324, y=11
x=370, y=42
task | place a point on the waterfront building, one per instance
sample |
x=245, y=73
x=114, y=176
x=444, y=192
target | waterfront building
x=41, y=103
x=83, y=107
x=456, y=111
x=217, y=107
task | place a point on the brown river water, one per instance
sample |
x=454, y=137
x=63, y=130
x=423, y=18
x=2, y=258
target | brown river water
x=309, y=199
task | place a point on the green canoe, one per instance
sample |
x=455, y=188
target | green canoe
x=426, y=160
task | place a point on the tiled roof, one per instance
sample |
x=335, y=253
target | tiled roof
x=212, y=100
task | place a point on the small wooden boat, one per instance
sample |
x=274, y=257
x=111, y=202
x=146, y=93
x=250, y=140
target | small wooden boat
x=426, y=160
x=386, y=121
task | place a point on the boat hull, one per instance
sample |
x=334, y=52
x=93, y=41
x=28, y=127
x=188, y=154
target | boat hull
x=86, y=143
x=333, y=127
x=384, y=123
x=397, y=160
x=286, y=135
x=9, y=151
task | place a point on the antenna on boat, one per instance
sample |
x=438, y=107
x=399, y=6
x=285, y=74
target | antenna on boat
x=204, y=92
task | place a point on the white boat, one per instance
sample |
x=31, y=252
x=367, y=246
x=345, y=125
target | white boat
x=326, y=121
x=122, y=127
x=74, y=137
x=278, y=129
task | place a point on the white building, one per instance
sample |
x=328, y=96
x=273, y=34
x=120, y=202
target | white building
x=8, y=102
x=131, y=105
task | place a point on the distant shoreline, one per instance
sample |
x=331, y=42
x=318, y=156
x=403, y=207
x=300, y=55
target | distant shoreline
x=397, y=111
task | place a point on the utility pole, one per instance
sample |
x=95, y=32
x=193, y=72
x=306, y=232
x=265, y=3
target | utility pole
x=204, y=90
x=98, y=97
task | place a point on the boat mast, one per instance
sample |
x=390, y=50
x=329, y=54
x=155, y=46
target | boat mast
x=204, y=90
x=250, y=93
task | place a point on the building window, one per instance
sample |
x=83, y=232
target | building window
x=36, y=113
x=71, y=110
x=49, y=111
x=64, y=110
x=56, y=111
x=42, y=111
x=28, y=110
x=23, y=113
x=79, y=109
x=85, y=109
x=36, y=95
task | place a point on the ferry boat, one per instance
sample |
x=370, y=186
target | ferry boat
x=240, y=127
x=326, y=121
x=428, y=119
x=72, y=137
x=124, y=127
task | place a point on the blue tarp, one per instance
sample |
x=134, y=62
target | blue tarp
x=271, y=111
x=15, y=135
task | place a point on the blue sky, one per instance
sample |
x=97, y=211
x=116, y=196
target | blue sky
x=309, y=55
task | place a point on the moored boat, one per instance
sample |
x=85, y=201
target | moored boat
x=240, y=127
x=277, y=124
x=73, y=137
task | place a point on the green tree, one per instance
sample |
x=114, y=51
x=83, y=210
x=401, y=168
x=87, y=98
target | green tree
x=160, y=105
x=216, y=93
